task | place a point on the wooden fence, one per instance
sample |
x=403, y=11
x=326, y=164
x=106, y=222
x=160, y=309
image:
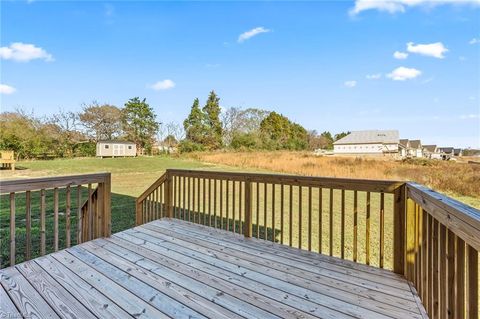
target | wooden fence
x=431, y=239
x=92, y=214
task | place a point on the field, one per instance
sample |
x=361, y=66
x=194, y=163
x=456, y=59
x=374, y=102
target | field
x=131, y=176
x=456, y=179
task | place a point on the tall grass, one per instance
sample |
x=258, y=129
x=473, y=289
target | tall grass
x=454, y=178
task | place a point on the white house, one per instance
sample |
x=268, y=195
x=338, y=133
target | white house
x=116, y=149
x=416, y=149
x=374, y=142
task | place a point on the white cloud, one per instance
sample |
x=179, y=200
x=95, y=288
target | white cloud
x=163, y=85
x=350, y=84
x=251, y=33
x=6, y=89
x=394, y=6
x=435, y=50
x=24, y=52
x=469, y=116
x=375, y=76
x=400, y=55
x=403, y=73
x=474, y=41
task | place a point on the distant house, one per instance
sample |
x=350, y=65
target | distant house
x=416, y=149
x=374, y=142
x=403, y=147
x=457, y=152
x=430, y=151
x=116, y=149
x=446, y=150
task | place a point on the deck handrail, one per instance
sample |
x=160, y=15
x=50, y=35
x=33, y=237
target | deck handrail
x=93, y=220
x=435, y=239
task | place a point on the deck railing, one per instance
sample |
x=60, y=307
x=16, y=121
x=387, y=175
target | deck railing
x=427, y=237
x=39, y=207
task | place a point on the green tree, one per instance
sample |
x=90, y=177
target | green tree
x=213, y=125
x=194, y=124
x=327, y=140
x=340, y=135
x=103, y=122
x=139, y=123
x=280, y=133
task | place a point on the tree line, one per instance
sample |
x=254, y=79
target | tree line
x=206, y=128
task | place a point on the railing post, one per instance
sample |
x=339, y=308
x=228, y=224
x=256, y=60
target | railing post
x=138, y=213
x=247, y=226
x=400, y=199
x=169, y=194
x=107, y=206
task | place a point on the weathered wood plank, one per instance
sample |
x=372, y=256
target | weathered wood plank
x=7, y=307
x=85, y=293
x=27, y=300
x=59, y=299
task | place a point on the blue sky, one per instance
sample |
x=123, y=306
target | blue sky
x=327, y=65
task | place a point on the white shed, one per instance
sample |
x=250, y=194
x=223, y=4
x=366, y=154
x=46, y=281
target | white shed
x=374, y=142
x=116, y=149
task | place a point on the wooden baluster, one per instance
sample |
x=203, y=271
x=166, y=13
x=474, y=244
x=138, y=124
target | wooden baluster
x=442, y=260
x=273, y=212
x=258, y=208
x=55, y=218
x=460, y=278
x=355, y=225
x=175, y=196
x=436, y=278
x=418, y=251
x=215, y=202
x=247, y=232
x=210, y=202
x=382, y=228
x=189, y=198
x=300, y=217
x=310, y=218
x=227, y=202
x=367, y=230
x=79, y=214
x=424, y=261
x=184, y=190
x=399, y=230
x=233, y=208
x=342, y=226
x=28, y=226
x=265, y=200
x=290, y=228
x=450, y=274
x=240, y=211
x=12, y=229
x=320, y=219
x=194, y=198
x=67, y=217
x=410, y=240
x=430, y=265
x=472, y=283
x=42, y=223
x=282, y=212
x=162, y=190
x=204, y=200
x=331, y=222
x=221, y=203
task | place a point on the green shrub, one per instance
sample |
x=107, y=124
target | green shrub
x=187, y=146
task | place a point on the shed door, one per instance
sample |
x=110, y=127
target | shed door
x=118, y=150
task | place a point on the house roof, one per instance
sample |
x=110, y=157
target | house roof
x=415, y=143
x=404, y=142
x=457, y=151
x=367, y=137
x=115, y=142
x=430, y=148
x=445, y=149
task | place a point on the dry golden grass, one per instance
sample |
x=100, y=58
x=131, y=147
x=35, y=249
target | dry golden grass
x=461, y=180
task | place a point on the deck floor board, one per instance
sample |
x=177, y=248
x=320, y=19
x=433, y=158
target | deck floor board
x=171, y=268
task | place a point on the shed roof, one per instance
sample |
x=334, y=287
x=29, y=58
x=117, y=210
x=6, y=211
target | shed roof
x=404, y=142
x=371, y=136
x=446, y=149
x=115, y=142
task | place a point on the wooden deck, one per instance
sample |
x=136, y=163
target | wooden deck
x=172, y=268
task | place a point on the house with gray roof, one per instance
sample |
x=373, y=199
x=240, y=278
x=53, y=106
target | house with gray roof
x=371, y=142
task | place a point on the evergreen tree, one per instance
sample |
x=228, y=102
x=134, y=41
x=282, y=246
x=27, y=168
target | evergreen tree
x=214, y=130
x=139, y=123
x=194, y=124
